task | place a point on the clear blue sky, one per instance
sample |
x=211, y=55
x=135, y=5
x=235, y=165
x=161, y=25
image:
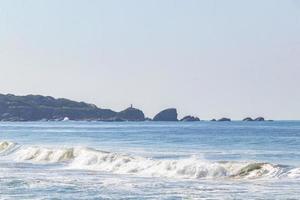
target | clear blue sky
x=209, y=58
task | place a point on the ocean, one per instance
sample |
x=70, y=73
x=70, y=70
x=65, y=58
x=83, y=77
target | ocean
x=150, y=160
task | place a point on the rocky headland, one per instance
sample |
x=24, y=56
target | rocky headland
x=47, y=108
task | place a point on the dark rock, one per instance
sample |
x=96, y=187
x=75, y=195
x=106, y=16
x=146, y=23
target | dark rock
x=37, y=107
x=259, y=119
x=249, y=119
x=131, y=114
x=190, y=119
x=166, y=115
x=148, y=119
x=224, y=119
x=213, y=120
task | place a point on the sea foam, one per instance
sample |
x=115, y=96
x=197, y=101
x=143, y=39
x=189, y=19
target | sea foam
x=81, y=158
x=6, y=146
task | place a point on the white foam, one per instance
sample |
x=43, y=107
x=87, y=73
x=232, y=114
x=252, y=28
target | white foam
x=259, y=170
x=294, y=173
x=91, y=159
x=38, y=154
x=183, y=168
x=6, y=146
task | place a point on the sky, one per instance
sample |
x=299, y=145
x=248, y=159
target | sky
x=209, y=58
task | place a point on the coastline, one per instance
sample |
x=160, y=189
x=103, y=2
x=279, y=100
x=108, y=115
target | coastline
x=46, y=108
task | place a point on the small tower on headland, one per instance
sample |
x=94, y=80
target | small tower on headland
x=131, y=106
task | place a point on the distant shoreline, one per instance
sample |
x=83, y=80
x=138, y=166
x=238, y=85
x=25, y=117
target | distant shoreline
x=31, y=108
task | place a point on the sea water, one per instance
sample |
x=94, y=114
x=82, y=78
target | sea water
x=150, y=160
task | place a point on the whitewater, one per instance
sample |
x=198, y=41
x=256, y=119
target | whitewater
x=150, y=160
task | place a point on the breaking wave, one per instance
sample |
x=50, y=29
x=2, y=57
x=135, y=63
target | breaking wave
x=193, y=168
x=6, y=147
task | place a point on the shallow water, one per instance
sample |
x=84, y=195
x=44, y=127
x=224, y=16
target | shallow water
x=150, y=160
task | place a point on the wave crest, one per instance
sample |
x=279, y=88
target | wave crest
x=38, y=154
x=6, y=146
x=91, y=159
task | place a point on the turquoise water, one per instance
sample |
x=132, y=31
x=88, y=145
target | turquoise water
x=150, y=160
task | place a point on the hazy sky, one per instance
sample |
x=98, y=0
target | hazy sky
x=210, y=58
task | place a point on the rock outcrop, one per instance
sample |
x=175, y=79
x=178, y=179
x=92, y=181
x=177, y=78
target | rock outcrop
x=190, y=119
x=259, y=119
x=248, y=119
x=131, y=114
x=46, y=108
x=224, y=119
x=148, y=119
x=166, y=115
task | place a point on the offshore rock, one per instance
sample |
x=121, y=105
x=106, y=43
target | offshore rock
x=166, y=115
x=224, y=119
x=259, y=119
x=249, y=119
x=131, y=114
x=190, y=119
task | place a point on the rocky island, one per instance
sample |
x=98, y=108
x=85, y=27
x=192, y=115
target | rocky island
x=47, y=108
x=130, y=114
x=249, y=119
x=37, y=107
x=190, y=118
x=224, y=119
x=166, y=115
